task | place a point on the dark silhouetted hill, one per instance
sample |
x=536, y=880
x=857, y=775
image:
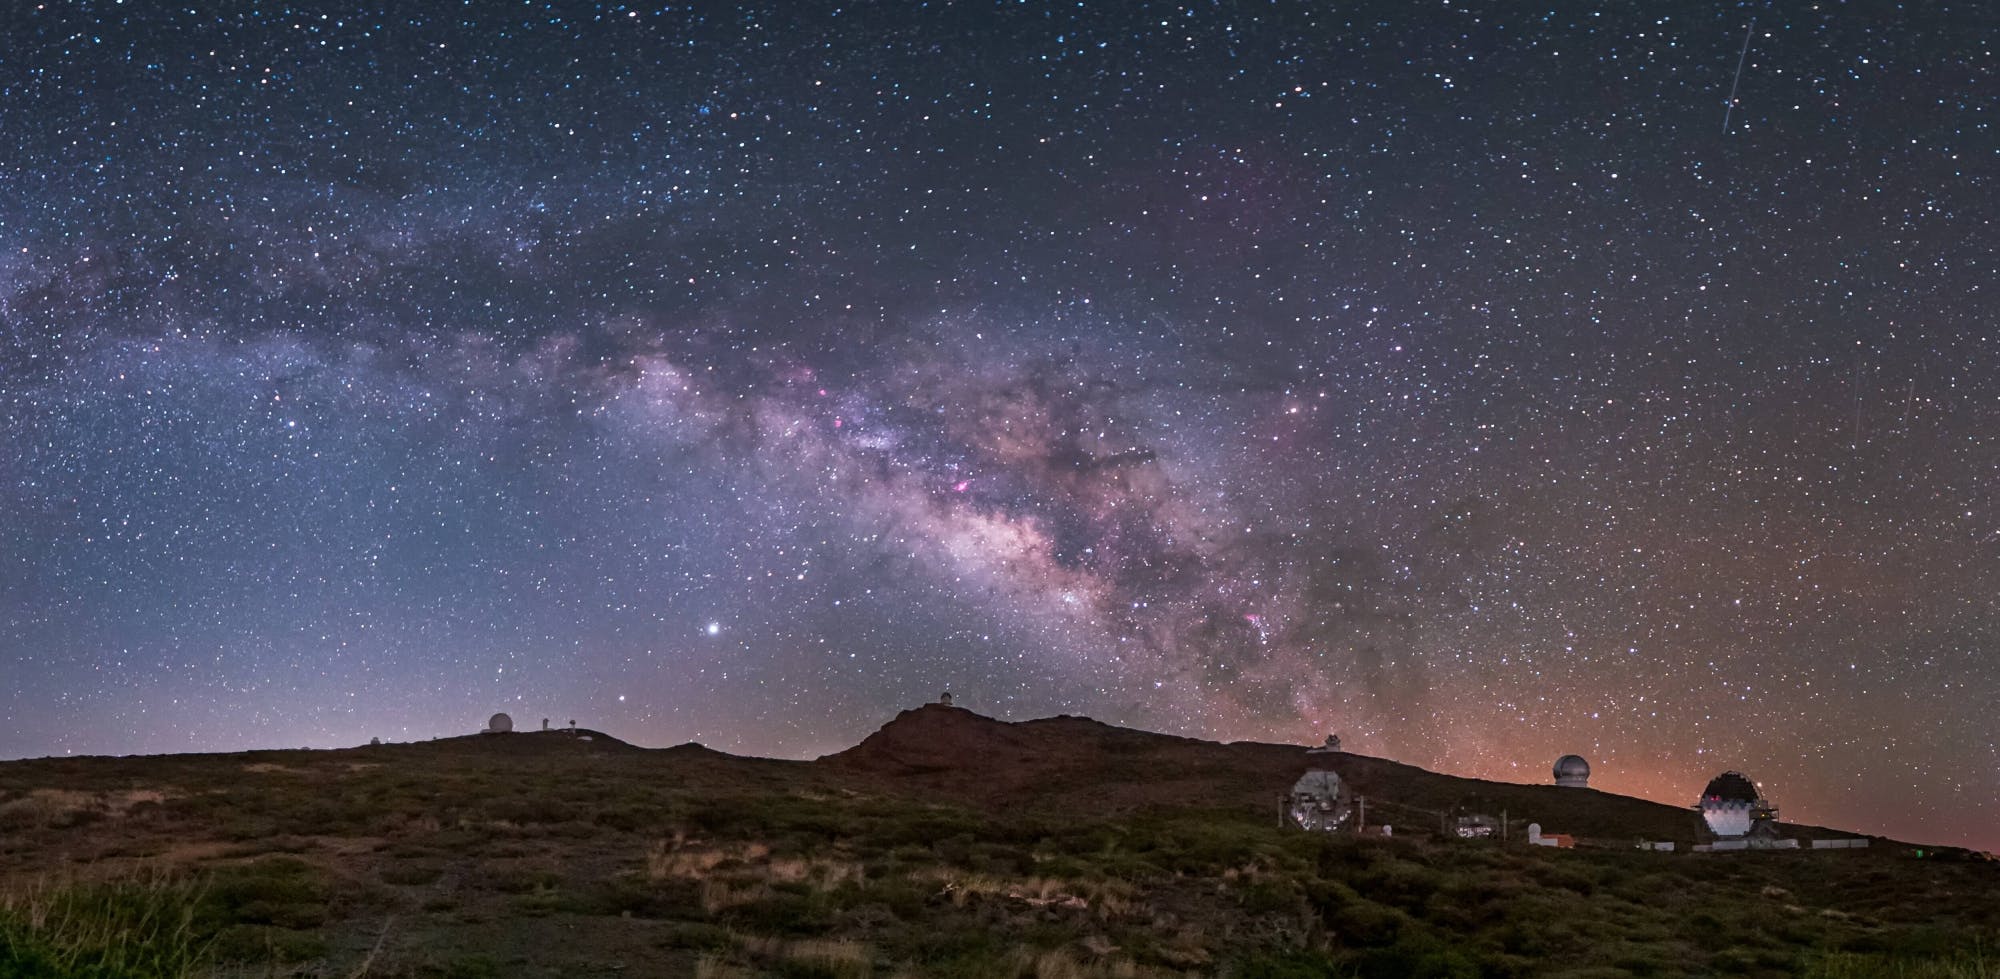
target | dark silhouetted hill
x=1077, y=763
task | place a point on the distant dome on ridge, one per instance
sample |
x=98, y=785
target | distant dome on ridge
x=499, y=724
x=1572, y=771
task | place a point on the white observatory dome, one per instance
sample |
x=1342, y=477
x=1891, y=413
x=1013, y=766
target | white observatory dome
x=499, y=724
x=1572, y=771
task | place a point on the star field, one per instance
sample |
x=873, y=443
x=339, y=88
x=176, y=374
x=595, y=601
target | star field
x=1443, y=375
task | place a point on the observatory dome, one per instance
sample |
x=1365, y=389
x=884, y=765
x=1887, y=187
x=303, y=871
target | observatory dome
x=1733, y=808
x=1572, y=771
x=1319, y=801
x=1730, y=787
x=499, y=724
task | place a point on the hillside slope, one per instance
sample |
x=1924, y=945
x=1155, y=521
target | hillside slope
x=946, y=844
x=1070, y=763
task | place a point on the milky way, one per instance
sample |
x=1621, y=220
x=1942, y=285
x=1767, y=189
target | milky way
x=1441, y=375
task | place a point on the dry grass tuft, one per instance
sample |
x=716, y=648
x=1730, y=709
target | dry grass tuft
x=717, y=895
x=822, y=872
x=1060, y=964
x=677, y=859
x=715, y=967
x=121, y=801
x=138, y=923
x=845, y=958
x=1108, y=898
x=270, y=768
x=1966, y=964
x=670, y=860
x=1252, y=871
x=43, y=808
x=46, y=808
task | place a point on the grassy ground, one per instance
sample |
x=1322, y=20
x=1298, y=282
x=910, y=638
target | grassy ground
x=420, y=861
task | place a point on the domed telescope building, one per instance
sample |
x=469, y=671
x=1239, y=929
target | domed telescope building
x=1572, y=772
x=499, y=724
x=1319, y=802
x=1734, y=809
x=1472, y=819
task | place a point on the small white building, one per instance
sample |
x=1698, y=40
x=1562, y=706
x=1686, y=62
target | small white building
x=1561, y=840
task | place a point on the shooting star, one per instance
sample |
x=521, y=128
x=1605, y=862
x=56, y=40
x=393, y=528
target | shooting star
x=1738, y=80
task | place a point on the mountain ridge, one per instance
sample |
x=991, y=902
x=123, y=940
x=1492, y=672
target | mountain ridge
x=1067, y=763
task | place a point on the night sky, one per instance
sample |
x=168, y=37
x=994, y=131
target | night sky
x=1443, y=374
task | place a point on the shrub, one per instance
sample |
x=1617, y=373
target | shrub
x=1288, y=965
x=1365, y=923
x=778, y=912
x=1401, y=883
x=630, y=819
x=1417, y=958
x=282, y=891
x=473, y=967
x=1272, y=896
x=412, y=872
x=267, y=943
x=1553, y=874
x=696, y=935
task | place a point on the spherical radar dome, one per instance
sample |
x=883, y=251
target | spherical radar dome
x=1572, y=770
x=499, y=724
